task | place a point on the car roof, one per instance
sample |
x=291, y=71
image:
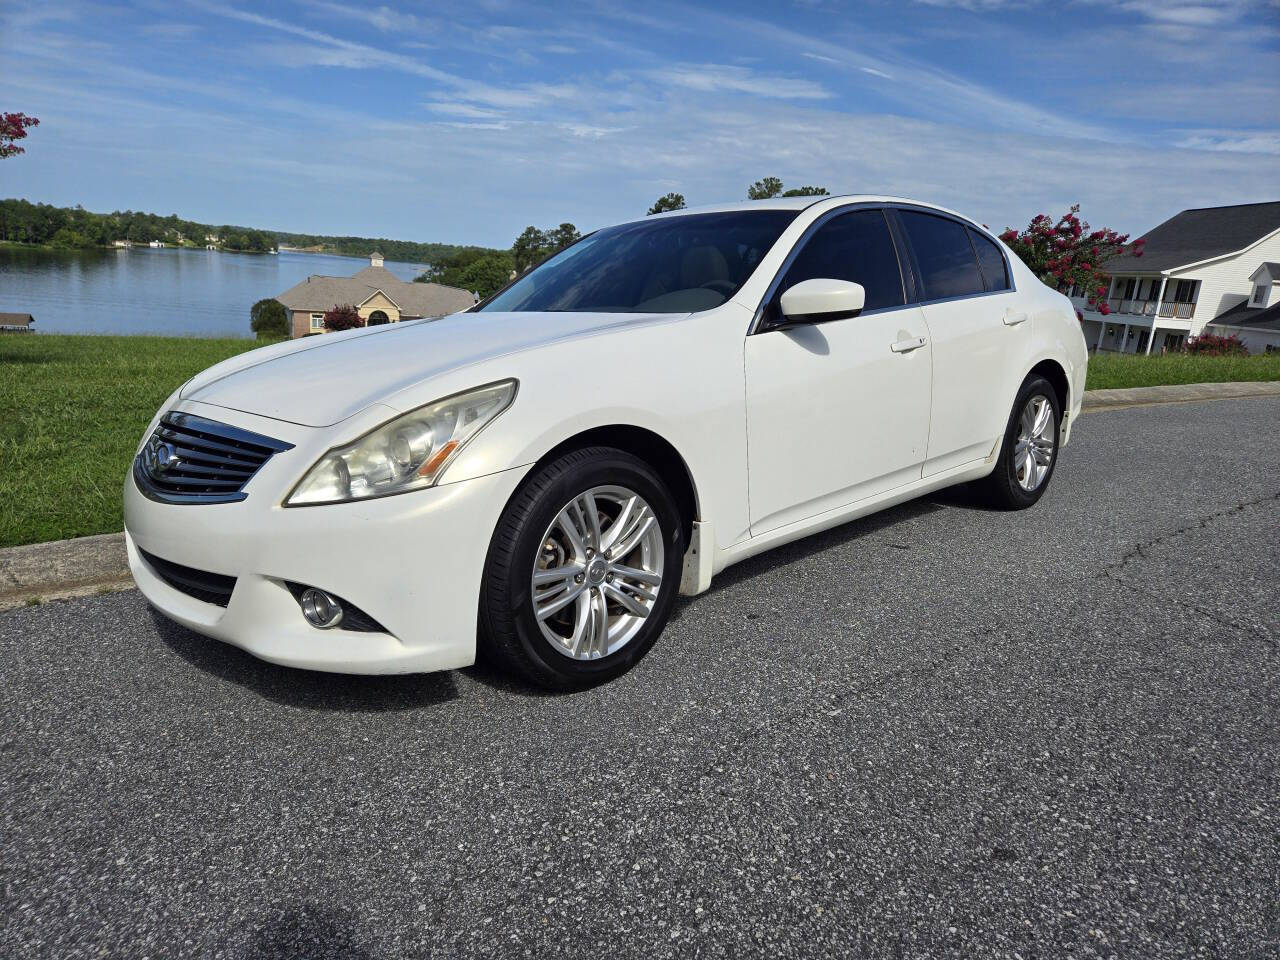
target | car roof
x=803, y=203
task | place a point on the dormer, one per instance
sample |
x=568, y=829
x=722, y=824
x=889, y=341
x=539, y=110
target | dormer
x=1264, y=281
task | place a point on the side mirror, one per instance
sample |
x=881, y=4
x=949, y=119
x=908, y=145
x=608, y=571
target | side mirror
x=820, y=299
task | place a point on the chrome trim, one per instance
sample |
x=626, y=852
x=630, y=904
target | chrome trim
x=178, y=436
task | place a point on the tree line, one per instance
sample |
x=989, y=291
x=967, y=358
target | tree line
x=40, y=223
x=75, y=227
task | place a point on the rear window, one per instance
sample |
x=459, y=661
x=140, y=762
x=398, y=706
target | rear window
x=995, y=272
x=947, y=263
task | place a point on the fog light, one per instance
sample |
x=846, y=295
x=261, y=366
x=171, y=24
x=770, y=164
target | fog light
x=321, y=609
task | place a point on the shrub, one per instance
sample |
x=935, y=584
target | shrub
x=344, y=317
x=268, y=318
x=1212, y=345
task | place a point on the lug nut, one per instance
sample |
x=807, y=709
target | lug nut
x=577, y=578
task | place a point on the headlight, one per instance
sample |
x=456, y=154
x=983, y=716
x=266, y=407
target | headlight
x=407, y=453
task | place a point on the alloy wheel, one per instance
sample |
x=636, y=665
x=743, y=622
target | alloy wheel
x=598, y=573
x=1034, y=449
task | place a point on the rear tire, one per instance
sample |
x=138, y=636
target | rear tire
x=595, y=529
x=1029, y=451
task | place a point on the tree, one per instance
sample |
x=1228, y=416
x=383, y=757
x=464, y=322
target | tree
x=13, y=127
x=344, y=317
x=268, y=318
x=771, y=187
x=481, y=271
x=765, y=189
x=1069, y=253
x=672, y=201
x=527, y=250
x=534, y=245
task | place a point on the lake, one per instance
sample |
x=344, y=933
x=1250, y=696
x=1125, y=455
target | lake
x=188, y=293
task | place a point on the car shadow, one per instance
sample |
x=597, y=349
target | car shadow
x=309, y=689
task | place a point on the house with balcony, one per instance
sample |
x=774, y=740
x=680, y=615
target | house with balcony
x=1196, y=268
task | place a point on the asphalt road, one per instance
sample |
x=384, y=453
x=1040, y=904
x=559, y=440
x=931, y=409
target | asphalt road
x=942, y=731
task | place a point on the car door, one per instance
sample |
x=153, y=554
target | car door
x=837, y=411
x=977, y=331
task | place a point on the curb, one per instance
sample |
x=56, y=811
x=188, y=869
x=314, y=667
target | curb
x=1176, y=393
x=90, y=565
x=64, y=568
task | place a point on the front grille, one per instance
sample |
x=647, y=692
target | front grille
x=210, y=587
x=190, y=459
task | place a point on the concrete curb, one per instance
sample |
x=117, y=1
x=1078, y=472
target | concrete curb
x=1177, y=393
x=64, y=568
x=88, y=565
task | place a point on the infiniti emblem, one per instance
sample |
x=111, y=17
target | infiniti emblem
x=160, y=458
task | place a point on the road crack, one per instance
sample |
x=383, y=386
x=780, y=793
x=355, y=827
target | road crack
x=1113, y=571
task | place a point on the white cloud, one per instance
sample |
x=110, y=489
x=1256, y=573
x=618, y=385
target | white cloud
x=709, y=78
x=462, y=110
x=1233, y=142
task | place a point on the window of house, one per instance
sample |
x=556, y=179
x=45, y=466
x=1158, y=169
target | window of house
x=856, y=247
x=948, y=265
x=1173, y=341
x=1129, y=286
x=1260, y=294
x=995, y=272
x=317, y=321
x=1184, y=292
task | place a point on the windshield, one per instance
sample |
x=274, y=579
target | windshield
x=673, y=265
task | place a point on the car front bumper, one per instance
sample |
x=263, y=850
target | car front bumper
x=413, y=562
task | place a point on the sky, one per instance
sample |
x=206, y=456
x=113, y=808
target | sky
x=465, y=123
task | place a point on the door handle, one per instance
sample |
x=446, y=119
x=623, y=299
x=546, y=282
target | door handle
x=1012, y=319
x=906, y=346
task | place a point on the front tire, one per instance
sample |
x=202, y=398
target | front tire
x=1029, y=452
x=582, y=570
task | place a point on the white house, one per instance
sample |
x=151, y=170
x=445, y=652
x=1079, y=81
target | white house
x=1196, y=269
x=1257, y=320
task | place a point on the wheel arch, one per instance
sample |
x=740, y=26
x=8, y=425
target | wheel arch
x=651, y=447
x=1056, y=374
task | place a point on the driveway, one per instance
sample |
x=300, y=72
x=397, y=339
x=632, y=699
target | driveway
x=940, y=731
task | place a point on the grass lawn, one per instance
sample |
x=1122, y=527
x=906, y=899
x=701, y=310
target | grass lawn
x=1108, y=370
x=72, y=411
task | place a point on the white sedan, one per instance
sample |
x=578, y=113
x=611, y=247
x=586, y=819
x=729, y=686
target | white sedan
x=536, y=479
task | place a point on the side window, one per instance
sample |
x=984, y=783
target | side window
x=995, y=272
x=856, y=247
x=947, y=263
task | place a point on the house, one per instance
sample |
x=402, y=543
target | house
x=16, y=323
x=1196, y=269
x=1257, y=320
x=377, y=294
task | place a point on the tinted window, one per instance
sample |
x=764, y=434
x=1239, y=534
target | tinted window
x=671, y=265
x=995, y=272
x=947, y=263
x=853, y=246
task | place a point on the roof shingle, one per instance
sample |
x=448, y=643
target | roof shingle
x=1195, y=235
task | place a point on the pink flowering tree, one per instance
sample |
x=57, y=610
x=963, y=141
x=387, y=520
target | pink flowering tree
x=1071, y=252
x=13, y=127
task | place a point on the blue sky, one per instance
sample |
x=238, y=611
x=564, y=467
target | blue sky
x=467, y=122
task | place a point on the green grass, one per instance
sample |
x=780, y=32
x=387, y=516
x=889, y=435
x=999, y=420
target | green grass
x=1109, y=370
x=72, y=410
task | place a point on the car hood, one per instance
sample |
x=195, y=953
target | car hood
x=318, y=381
